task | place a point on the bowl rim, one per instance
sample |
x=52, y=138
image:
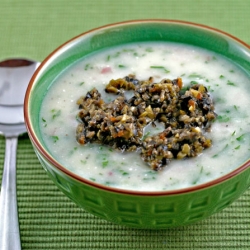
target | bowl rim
x=58, y=166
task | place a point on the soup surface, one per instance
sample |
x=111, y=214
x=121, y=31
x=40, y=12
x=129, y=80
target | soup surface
x=230, y=135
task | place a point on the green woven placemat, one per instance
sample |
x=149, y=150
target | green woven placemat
x=49, y=220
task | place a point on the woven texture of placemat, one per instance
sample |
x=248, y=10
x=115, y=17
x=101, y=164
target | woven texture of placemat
x=48, y=219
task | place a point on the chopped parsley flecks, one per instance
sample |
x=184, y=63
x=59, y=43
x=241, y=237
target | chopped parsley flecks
x=121, y=66
x=55, y=138
x=160, y=67
x=117, y=54
x=221, y=151
x=223, y=118
x=83, y=161
x=55, y=113
x=220, y=100
x=149, y=175
x=128, y=50
x=105, y=163
x=87, y=66
x=241, y=138
x=199, y=176
x=44, y=122
x=231, y=83
x=72, y=151
x=146, y=135
x=123, y=172
x=209, y=88
x=236, y=107
x=194, y=75
x=108, y=58
x=149, y=49
x=194, y=82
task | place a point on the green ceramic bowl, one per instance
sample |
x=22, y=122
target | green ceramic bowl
x=138, y=209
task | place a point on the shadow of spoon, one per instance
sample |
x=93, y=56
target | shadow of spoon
x=15, y=75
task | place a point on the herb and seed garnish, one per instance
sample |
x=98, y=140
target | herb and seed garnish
x=186, y=114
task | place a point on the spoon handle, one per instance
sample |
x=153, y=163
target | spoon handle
x=9, y=226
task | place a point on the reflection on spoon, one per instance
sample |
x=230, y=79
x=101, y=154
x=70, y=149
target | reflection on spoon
x=14, y=78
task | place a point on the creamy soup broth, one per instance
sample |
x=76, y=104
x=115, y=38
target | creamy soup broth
x=227, y=84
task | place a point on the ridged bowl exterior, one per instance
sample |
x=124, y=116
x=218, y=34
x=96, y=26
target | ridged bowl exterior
x=150, y=212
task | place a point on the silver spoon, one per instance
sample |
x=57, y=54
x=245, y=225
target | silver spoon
x=14, y=78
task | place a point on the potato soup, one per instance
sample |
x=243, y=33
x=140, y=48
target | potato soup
x=227, y=84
